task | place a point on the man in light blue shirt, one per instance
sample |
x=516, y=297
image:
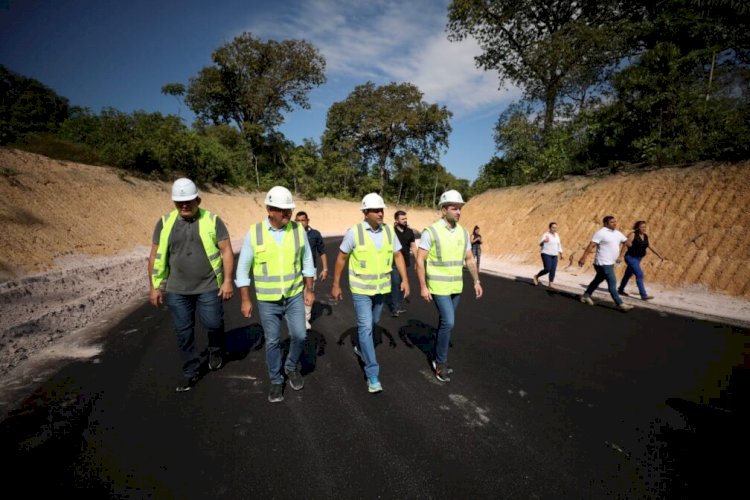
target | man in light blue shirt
x=279, y=255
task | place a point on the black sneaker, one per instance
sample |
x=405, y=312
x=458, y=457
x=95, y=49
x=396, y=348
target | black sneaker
x=184, y=384
x=275, y=395
x=295, y=380
x=441, y=372
x=215, y=360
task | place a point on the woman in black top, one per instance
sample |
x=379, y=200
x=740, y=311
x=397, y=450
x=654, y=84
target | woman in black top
x=476, y=244
x=636, y=247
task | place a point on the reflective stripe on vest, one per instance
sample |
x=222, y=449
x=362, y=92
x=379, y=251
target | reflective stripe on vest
x=207, y=232
x=277, y=269
x=445, y=260
x=370, y=268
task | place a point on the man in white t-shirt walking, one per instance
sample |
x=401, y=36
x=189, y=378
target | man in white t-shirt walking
x=606, y=242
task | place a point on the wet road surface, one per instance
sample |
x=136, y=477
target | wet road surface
x=550, y=398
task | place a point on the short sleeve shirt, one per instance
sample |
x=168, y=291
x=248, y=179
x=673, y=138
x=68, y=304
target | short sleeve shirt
x=405, y=237
x=608, y=241
x=377, y=235
x=425, y=241
x=190, y=271
x=317, y=245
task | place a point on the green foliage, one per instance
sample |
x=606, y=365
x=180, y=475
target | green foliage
x=254, y=82
x=549, y=48
x=27, y=106
x=374, y=126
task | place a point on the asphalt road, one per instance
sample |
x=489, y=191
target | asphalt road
x=550, y=398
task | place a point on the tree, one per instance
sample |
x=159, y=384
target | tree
x=177, y=90
x=27, y=106
x=376, y=125
x=550, y=48
x=252, y=83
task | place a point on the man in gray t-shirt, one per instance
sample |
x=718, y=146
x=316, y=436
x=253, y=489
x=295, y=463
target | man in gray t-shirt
x=190, y=269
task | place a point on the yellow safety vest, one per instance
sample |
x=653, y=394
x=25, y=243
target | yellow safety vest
x=277, y=269
x=207, y=231
x=445, y=260
x=370, y=268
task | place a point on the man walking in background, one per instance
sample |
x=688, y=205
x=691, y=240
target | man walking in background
x=444, y=247
x=606, y=241
x=190, y=268
x=318, y=248
x=279, y=255
x=371, y=249
x=408, y=247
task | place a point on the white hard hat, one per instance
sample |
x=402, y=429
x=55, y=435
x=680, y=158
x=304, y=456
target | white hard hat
x=279, y=197
x=184, y=190
x=372, y=200
x=451, y=197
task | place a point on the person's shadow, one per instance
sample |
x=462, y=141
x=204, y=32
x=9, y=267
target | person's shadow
x=416, y=334
x=238, y=342
x=377, y=339
x=318, y=309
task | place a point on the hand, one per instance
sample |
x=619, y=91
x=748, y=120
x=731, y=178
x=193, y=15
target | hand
x=156, y=297
x=309, y=297
x=478, y=290
x=336, y=293
x=246, y=309
x=226, y=291
x=323, y=275
x=425, y=293
x=405, y=288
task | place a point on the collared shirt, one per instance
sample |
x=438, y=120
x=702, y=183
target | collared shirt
x=245, y=261
x=425, y=240
x=553, y=245
x=608, y=249
x=317, y=245
x=347, y=244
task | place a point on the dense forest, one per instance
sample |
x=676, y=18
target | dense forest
x=606, y=84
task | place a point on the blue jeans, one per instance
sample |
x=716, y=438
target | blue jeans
x=368, y=309
x=397, y=296
x=550, y=266
x=605, y=273
x=210, y=311
x=446, y=306
x=634, y=267
x=271, y=312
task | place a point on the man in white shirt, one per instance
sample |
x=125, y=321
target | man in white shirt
x=606, y=242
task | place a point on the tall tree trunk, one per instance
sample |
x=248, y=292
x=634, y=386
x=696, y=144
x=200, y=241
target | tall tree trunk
x=549, y=108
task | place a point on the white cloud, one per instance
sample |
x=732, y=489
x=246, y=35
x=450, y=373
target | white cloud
x=398, y=41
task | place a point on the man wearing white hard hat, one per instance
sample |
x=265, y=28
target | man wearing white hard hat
x=190, y=269
x=371, y=248
x=279, y=255
x=444, y=247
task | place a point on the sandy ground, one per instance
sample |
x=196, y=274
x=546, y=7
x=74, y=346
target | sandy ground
x=75, y=245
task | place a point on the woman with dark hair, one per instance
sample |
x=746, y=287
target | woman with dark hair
x=551, y=249
x=635, y=249
x=476, y=244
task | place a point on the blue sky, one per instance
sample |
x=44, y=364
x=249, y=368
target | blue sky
x=119, y=53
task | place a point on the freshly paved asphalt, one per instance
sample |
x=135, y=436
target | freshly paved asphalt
x=550, y=398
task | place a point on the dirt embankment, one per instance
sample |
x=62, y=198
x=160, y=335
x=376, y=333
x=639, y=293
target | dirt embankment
x=76, y=237
x=698, y=220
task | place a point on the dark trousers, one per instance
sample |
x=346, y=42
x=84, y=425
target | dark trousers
x=550, y=266
x=605, y=273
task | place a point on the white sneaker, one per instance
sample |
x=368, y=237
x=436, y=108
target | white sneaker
x=373, y=385
x=625, y=307
x=587, y=300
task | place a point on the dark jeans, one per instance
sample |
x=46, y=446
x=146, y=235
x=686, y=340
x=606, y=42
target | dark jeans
x=210, y=311
x=605, y=273
x=634, y=267
x=476, y=251
x=397, y=296
x=550, y=266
